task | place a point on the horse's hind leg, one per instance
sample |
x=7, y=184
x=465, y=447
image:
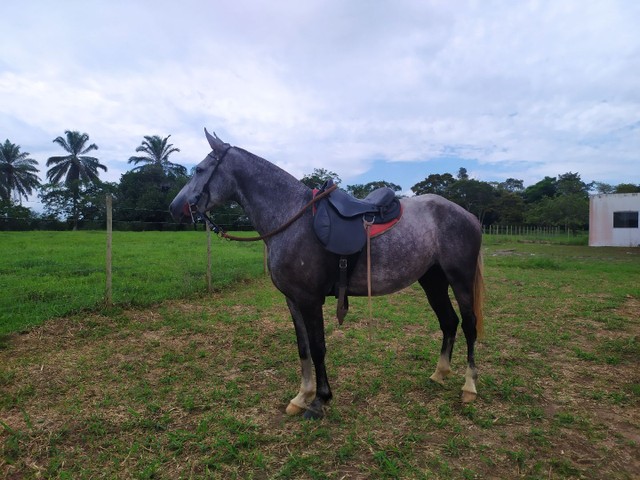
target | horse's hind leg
x=464, y=293
x=436, y=286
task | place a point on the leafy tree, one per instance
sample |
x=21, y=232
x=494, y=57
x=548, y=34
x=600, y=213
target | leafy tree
x=547, y=187
x=569, y=211
x=16, y=217
x=511, y=185
x=77, y=168
x=57, y=201
x=145, y=192
x=604, y=188
x=144, y=196
x=434, y=183
x=88, y=207
x=560, y=202
x=319, y=176
x=361, y=191
x=18, y=172
x=508, y=209
x=570, y=183
x=157, y=152
x=475, y=196
x=93, y=208
x=627, y=188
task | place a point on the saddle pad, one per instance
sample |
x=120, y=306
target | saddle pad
x=380, y=228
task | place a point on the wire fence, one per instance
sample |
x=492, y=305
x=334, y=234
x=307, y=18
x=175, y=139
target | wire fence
x=141, y=219
x=231, y=222
x=532, y=231
x=523, y=230
x=124, y=219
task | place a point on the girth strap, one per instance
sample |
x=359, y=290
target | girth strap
x=343, y=301
x=344, y=271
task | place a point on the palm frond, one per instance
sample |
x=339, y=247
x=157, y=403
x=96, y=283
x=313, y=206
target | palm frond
x=58, y=160
x=55, y=173
x=18, y=172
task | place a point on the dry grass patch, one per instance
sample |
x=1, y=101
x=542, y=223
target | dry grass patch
x=198, y=389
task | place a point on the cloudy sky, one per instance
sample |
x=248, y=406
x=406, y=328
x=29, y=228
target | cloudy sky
x=371, y=90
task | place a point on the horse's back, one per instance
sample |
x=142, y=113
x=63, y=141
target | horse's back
x=432, y=230
x=443, y=219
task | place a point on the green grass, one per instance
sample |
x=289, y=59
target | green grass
x=52, y=274
x=196, y=387
x=581, y=239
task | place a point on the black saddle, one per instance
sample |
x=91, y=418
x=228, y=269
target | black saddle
x=339, y=218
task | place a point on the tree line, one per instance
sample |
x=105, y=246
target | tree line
x=561, y=201
x=73, y=193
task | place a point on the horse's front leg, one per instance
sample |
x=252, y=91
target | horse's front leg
x=307, y=392
x=313, y=322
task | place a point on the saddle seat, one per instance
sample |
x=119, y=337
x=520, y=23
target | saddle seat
x=339, y=221
x=377, y=203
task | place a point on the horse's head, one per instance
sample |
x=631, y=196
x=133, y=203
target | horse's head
x=207, y=188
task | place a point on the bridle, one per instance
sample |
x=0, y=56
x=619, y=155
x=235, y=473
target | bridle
x=218, y=230
x=193, y=206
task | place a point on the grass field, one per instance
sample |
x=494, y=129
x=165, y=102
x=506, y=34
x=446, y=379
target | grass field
x=51, y=274
x=195, y=387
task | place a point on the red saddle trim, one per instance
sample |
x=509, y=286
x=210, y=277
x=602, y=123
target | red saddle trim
x=379, y=228
x=375, y=229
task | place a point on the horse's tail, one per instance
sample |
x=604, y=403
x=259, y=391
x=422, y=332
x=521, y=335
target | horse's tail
x=478, y=296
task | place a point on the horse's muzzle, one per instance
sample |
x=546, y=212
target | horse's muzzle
x=181, y=211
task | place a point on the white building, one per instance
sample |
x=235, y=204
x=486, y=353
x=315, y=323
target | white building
x=613, y=220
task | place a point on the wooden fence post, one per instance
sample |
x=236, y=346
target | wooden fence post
x=209, y=283
x=108, y=294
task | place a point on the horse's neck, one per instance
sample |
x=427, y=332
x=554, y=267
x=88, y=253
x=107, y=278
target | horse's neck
x=269, y=195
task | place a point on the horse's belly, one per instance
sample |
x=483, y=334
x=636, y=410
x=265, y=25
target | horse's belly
x=400, y=256
x=383, y=282
x=390, y=271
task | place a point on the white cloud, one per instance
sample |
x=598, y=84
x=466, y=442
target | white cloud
x=524, y=89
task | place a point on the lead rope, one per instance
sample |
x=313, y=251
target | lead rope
x=224, y=234
x=367, y=227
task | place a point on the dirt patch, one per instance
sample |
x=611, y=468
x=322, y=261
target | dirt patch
x=631, y=310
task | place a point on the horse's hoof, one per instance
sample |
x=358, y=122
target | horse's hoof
x=313, y=415
x=438, y=378
x=468, y=397
x=293, y=410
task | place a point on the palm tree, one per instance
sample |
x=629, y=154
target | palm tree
x=157, y=153
x=17, y=172
x=76, y=168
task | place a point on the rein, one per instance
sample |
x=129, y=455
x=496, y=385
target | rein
x=219, y=231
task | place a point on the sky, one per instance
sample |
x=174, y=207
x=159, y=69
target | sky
x=371, y=90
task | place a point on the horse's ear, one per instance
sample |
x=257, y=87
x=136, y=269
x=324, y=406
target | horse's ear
x=214, y=142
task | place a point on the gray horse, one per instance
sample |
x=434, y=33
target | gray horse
x=436, y=243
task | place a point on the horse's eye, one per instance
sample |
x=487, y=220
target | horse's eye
x=199, y=170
